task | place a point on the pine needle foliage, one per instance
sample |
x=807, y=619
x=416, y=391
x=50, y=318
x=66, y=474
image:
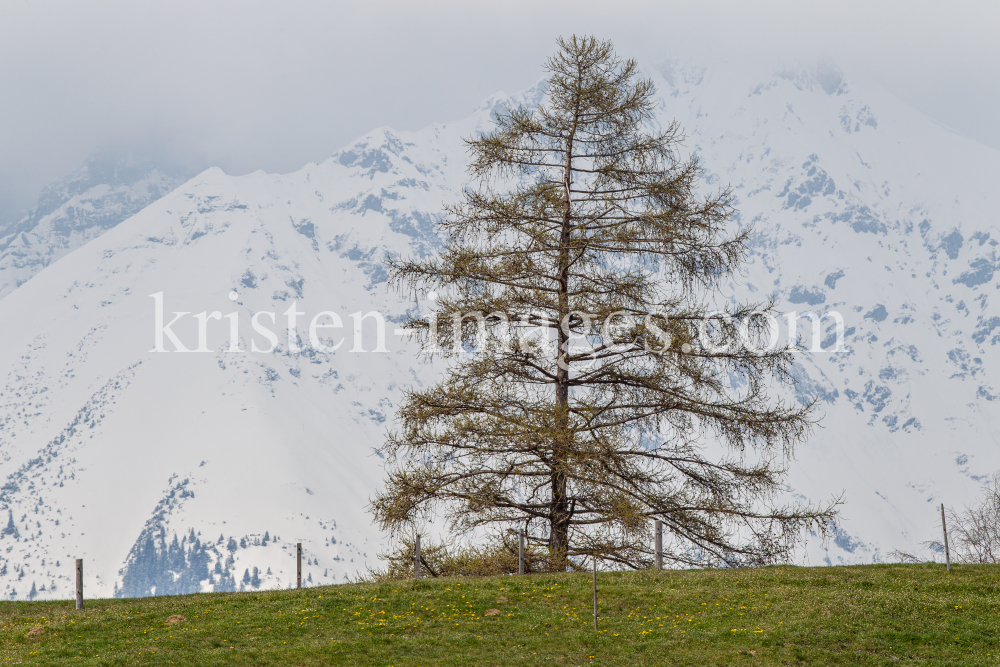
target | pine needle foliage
x=589, y=377
x=452, y=558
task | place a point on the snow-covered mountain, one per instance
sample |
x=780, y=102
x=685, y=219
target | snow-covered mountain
x=865, y=207
x=111, y=186
x=172, y=471
x=110, y=450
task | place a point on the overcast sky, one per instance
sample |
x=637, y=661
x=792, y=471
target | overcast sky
x=274, y=85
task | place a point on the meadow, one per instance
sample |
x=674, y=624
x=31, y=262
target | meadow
x=857, y=615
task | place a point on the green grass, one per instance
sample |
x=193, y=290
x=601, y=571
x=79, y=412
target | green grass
x=862, y=615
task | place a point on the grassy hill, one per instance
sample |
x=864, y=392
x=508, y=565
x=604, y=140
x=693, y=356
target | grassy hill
x=862, y=615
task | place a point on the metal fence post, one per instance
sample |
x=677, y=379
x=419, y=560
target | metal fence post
x=416, y=558
x=659, y=544
x=79, y=583
x=298, y=565
x=595, y=592
x=944, y=529
x=520, y=552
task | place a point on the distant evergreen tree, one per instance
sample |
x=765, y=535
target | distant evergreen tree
x=309, y=578
x=269, y=572
x=11, y=529
x=243, y=543
x=246, y=576
x=34, y=592
x=231, y=545
x=176, y=555
x=255, y=579
x=155, y=567
x=218, y=567
x=267, y=538
x=221, y=539
x=198, y=560
x=226, y=583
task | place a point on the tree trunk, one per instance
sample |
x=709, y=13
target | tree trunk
x=560, y=514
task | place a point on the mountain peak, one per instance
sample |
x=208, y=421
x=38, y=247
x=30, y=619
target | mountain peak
x=862, y=210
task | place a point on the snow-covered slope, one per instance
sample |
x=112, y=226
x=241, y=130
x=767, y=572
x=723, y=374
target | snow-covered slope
x=865, y=207
x=109, y=450
x=181, y=471
x=111, y=186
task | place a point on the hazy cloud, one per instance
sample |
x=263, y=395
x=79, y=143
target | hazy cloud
x=275, y=85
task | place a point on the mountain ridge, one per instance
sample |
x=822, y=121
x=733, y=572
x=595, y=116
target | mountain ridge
x=241, y=445
x=112, y=185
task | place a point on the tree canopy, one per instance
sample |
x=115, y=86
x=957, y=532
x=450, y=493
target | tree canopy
x=593, y=382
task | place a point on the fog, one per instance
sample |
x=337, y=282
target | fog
x=272, y=86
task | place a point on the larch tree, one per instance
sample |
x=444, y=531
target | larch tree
x=591, y=385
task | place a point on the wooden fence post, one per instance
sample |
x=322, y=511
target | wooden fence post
x=79, y=583
x=659, y=544
x=298, y=565
x=520, y=552
x=416, y=557
x=944, y=529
